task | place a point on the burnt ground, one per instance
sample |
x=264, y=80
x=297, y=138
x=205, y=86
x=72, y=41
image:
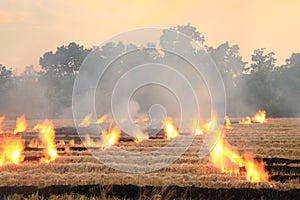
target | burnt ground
x=135, y=192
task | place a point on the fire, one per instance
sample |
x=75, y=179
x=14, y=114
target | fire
x=35, y=144
x=139, y=137
x=141, y=120
x=61, y=143
x=110, y=137
x=225, y=157
x=170, y=130
x=89, y=142
x=2, y=118
x=86, y=121
x=11, y=149
x=227, y=123
x=47, y=136
x=145, y=119
x=21, y=124
x=72, y=142
x=102, y=119
x=255, y=171
x=211, y=125
x=196, y=129
x=260, y=116
x=246, y=120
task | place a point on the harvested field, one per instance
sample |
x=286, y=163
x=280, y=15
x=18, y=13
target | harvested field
x=77, y=172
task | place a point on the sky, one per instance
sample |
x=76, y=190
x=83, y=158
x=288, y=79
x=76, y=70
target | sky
x=29, y=28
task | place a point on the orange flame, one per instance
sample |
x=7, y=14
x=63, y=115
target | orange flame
x=211, y=125
x=35, y=144
x=110, y=137
x=11, y=149
x=61, y=143
x=72, y=142
x=229, y=161
x=139, y=137
x=225, y=157
x=86, y=120
x=101, y=119
x=227, y=123
x=2, y=118
x=21, y=124
x=255, y=171
x=246, y=120
x=196, y=129
x=260, y=116
x=47, y=136
x=145, y=119
x=170, y=130
x=89, y=142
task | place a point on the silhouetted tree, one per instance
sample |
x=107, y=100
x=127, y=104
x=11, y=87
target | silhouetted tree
x=65, y=61
x=6, y=77
x=230, y=65
x=261, y=61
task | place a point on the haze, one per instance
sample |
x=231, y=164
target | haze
x=30, y=28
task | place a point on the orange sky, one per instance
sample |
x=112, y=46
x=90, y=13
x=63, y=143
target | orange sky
x=29, y=28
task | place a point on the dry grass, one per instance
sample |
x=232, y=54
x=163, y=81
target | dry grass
x=276, y=138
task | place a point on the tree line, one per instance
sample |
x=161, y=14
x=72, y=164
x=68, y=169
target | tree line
x=259, y=84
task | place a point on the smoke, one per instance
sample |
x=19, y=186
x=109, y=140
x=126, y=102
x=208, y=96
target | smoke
x=27, y=95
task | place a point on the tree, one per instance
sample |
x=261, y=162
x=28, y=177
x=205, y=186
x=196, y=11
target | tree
x=171, y=39
x=261, y=61
x=6, y=77
x=65, y=61
x=230, y=65
x=227, y=59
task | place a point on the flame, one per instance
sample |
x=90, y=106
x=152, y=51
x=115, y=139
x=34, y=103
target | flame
x=11, y=149
x=227, y=123
x=47, y=136
x=110, y=137
x=2, y=118
x=145, y=119
x=255, y=171
x=260, y=116
x=61, y=143
x=72, y=142
x=101, y=119
x=35, y=144
x=225, y=157
x=246, y=120
x=20, y=124
x=86, y=121
x=142, y=120
x=89, y=142
x=212, y=124
x=139, y=137
x=170, y=130
x=196, y=129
